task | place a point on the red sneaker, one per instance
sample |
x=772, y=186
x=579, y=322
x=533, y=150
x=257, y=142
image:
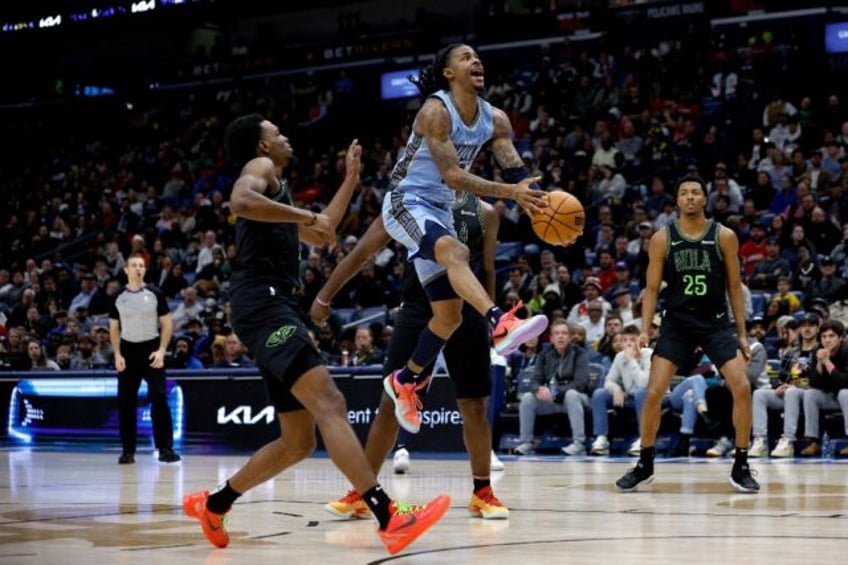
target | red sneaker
x=484, y=504
x=194, y=505
x=511, y=332
x=350, y=506
x=409, y=522
x=407, y=404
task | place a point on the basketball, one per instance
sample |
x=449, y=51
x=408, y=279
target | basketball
x=562, y=221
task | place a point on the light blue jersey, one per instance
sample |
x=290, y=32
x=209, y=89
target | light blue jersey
x=415, y=173
x=419, y=209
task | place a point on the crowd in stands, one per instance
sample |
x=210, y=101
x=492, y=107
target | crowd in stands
x=613, y=125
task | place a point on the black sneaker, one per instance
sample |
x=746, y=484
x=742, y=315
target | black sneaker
x=126, y=459
x=168, y=455
x=742, y=479
x=638, y=475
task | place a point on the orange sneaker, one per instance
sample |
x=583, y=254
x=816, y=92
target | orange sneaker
x=349, y=506
x=407, y=403
x=194, y=505
x=409, y=522
x=484, y=504
x=511, y=332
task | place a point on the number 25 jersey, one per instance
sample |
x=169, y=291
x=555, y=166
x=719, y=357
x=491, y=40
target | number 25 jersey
x=697, y=281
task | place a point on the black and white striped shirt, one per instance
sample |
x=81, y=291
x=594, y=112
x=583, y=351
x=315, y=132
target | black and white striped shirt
x=138, y=312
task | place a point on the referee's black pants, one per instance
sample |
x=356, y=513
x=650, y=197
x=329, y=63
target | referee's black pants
x=137, y=357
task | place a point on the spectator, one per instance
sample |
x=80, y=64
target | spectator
x=560, y=382
x=234, y=353
x=365, y=352
x=182, y=355
x=794, y=377
x=624, y=386
x=828, y=384
x=86, y=357
x=38, y=358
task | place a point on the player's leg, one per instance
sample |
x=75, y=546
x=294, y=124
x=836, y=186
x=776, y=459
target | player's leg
x=403, y=385
x=674, y=348
x=722, y=348
x=399, y=526
x=296, y=441
x=411, y=318
x=427, y=232
x=468, y=359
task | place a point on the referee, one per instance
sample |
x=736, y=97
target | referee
x=138, y=313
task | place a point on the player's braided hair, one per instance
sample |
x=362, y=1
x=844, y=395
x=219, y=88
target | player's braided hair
x=430, y=78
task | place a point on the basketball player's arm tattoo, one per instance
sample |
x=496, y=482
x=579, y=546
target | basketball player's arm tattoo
x=503, y=148
x=434, y=125
x=248, y=198
x=490, y=244
x=729, y=245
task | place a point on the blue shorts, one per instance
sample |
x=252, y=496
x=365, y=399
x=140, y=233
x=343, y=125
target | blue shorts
x=407, y=218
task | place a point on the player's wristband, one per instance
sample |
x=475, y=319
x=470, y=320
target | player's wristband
x=321, y=302
x=514, y=175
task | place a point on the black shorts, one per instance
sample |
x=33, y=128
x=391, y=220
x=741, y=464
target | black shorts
x=467, y=353
x=679, y=340
x=270, y=327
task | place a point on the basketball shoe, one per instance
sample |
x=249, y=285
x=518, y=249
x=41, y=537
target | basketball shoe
x=635, y=477
x=742, y=480
x=349, y=506
x=400, y=461
x=408, y=522
x=495, y=464
x=511, y=332
x=484, y=504
x=407, y=404
x=194, y=505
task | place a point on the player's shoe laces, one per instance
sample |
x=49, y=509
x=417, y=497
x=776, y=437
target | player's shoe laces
x=349, y=506
x=407, y=404
x=408, y=522
x=742, y=479
x=511, y=332
x=484, y=504
x=635, y=477
x=213, y=525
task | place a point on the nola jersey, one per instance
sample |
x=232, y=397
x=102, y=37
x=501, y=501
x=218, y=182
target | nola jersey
x=268, y=253
x=697, y=282
x=416, y=172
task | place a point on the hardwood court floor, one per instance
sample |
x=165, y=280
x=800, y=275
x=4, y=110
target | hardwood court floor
x=77, y=506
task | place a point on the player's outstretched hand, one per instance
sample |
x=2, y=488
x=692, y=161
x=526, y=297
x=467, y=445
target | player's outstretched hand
x=353, y=156
x=530, y=200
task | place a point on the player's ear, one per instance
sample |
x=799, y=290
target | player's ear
x=448, y=73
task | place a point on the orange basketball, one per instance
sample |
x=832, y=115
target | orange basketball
x=561, y=223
